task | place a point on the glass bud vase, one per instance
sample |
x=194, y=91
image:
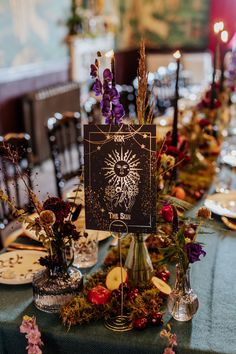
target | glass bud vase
x=138, y=262
x=182, y=302
x=53, y=288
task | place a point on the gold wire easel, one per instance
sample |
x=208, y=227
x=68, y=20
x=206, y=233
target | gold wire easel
x=120, y=323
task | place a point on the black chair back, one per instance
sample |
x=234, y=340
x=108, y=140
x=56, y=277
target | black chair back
x=15, y=174
x=65, y=141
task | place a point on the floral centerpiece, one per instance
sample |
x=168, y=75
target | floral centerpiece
x=144, y=304
x=53, y=226
x=184, y=248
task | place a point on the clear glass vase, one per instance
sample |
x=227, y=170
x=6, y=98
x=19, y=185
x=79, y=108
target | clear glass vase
x=138, y=262
x=182, y=302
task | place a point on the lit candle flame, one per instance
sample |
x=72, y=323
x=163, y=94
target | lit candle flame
x=224, y=36
x=218, y=27
x=177, y=55
x=109, y=54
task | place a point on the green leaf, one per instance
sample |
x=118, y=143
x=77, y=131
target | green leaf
x=178, y=203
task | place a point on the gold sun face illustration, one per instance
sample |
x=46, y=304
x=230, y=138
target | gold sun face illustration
x=122, y=174
x=122, y=168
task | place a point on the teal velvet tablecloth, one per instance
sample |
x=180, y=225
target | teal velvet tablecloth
x=212, y=330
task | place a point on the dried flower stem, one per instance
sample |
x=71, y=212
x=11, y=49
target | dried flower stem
x=143, y=100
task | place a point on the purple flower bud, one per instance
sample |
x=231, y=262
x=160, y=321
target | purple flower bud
x=107, y=75
x=194, y=251
x=97, y=87
x=93, y=71
x=108, y=120
x=114, y=96
x=105, y=102
x=107, y=87
x=107, y=113
x=106, y=107
x=118, y=113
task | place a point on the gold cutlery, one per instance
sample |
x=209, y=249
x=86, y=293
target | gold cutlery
x=20, y=246
x=231, y=225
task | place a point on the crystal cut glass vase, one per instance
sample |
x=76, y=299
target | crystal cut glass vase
x=54, y=287
x=182, y=302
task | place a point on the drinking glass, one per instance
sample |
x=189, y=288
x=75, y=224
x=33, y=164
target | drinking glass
x=86, y=249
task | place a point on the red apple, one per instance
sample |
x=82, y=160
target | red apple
x=197, y=195
x=99, y=295
x=115, y=277
x=140, y=323
x=156, y=318
x=162, y=286
x=164, y=275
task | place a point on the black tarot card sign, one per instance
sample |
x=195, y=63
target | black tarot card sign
x=120, y=183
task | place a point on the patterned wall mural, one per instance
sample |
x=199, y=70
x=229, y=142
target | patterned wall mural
x=32, y=31
x=164, y=23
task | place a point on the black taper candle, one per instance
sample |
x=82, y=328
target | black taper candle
x=218, y=27
x=175, y=120
x=213, y=91
x=224, y=40
x=113, y=70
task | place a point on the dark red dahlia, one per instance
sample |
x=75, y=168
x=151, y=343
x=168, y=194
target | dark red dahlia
x=60, y=208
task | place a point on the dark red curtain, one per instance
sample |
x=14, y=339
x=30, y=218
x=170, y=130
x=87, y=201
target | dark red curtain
x=222, y=10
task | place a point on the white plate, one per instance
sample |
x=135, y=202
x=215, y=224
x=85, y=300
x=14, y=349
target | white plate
x=222, y=204
x=79, y=196
x=229, y=160
x=13, y=236
x=102, y=235
x=19, y=267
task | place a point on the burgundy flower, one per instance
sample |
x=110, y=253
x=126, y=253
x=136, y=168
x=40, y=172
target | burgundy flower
x=93, y=71
x=60, y=208
x=69, y=230
x=167, y=213
x=178, y=153
x=194, y=251
x=204, y=122
x=97, y=87
x=173, y=151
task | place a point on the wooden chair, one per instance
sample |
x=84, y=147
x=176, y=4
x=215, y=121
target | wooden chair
x=15, y=162
x=65, y=141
